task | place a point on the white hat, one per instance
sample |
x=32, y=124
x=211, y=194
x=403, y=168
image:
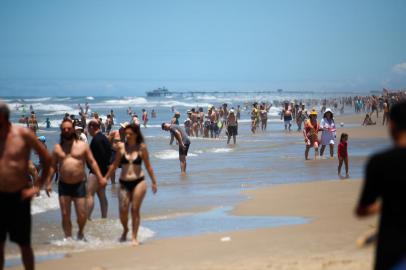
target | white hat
x=124, y=125
x=231, y=111
x=328, y=110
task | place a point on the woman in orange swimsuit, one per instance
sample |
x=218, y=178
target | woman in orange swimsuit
x=310, y=133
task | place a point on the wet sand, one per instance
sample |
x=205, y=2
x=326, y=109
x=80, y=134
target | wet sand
x=326, y=242
x=358, y=131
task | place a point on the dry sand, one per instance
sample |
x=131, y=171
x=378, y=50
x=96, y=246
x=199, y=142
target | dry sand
x=326, y=242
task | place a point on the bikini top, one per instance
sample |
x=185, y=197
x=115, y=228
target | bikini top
x=137, y=161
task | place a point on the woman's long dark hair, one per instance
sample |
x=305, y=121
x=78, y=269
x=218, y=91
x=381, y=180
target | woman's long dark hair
x=137, y=130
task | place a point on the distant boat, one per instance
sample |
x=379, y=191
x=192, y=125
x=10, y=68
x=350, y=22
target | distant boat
x=280, y=91
x=159, y=92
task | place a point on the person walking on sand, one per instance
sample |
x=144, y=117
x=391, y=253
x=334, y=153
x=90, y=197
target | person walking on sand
x=69, y=156
x=328, y=134
x=15, y=193
x=310, y=133
x=383, y=193
x=133, y=187
x=343, y=154
x=101, y=150
x=183, y=141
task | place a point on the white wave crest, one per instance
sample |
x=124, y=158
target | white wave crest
x=170, y=154
x=219, y=150
x=167, y=154
x=43, y=203
x=140, y=101
x=37, y=99
x=128, y=101
x=63, y=99
x=90, y=98
x=54, y=123
x=53, y=107
x=274, y=111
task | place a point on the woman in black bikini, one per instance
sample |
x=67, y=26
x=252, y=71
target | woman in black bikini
x=132, y=179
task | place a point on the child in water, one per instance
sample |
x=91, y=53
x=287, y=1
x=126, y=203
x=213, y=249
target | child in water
x=343, y=155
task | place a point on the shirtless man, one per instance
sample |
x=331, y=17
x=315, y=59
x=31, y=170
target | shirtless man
x=15, y=196
x=213, y=122
x=232, y=126
x=69, y=156
x=286, y=115
x=183, y=141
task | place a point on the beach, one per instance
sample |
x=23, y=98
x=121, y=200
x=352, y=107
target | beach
x=326, y=242
x=325, y=238
x=207, y=135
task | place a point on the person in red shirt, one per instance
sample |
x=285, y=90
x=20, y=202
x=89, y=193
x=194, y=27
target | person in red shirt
x=343, y=154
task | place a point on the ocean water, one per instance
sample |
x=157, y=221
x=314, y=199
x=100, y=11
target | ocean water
x=200, y=202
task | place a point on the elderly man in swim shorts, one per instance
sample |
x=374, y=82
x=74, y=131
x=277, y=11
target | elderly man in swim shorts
x=15, y=193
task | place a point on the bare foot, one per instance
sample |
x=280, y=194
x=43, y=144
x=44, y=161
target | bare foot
x=135, y=242
x=367, y=238
x=123, y=237
x=81, y=237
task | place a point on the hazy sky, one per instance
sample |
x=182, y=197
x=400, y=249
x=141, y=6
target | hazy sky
x=95, y=47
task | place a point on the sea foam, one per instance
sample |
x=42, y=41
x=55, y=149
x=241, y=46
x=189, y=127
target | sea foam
x=43, y=203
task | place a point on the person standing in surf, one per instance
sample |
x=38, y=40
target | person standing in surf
x=183, y=141
x=69, y=157
x=328, y=134
x=310, y=133
x=133, y=187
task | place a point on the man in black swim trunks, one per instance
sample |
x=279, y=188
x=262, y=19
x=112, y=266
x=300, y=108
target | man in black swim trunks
x=15, y=195
x=69, y=156
x=183, y=141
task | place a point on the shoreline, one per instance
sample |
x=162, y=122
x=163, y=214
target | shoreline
x=326, y=242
